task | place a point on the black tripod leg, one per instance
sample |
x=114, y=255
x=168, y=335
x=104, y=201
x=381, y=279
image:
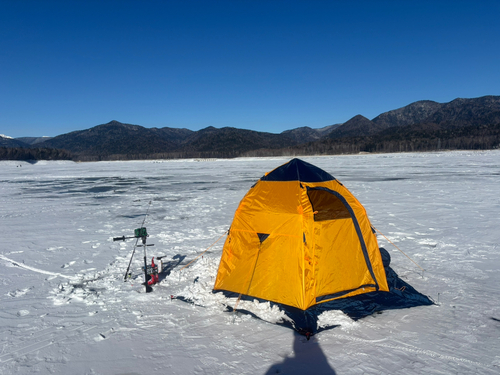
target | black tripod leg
x=146, y=276
x=130, y=262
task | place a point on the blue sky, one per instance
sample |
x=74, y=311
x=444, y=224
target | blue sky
x=261, y=65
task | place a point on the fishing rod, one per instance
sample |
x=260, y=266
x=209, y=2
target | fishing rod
x=150, y=272
x=136, y=232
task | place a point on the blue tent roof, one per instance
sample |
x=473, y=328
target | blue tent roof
x=298, y=170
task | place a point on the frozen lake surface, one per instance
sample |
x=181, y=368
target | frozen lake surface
x=65, y=308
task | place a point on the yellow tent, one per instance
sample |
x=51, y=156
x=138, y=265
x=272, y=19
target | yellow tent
x=300, y=238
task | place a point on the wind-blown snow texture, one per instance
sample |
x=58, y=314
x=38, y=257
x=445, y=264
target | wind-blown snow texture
x=66, y=309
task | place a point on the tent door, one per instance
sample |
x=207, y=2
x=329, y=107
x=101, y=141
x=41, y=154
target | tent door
x=329, y=206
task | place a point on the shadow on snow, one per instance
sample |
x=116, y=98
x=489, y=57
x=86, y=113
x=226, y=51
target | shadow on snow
x=306, y=359
x=169, y=266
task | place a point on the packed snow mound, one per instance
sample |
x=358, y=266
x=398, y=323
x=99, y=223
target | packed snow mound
x=200, y=292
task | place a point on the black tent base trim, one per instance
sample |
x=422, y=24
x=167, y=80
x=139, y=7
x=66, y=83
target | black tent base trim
x=284, y=323
x=401, y=295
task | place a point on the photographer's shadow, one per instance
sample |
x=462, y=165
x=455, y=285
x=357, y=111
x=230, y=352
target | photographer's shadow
x=307, y=358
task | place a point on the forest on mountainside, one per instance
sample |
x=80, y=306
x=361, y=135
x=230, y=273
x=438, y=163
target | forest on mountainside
x=37, y=153
x=462, y=124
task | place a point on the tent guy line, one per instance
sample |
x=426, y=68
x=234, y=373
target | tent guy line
x=392, y=243
x=208, y=248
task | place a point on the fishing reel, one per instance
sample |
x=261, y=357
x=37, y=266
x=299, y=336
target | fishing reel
x=138, y=233
x=150, y=271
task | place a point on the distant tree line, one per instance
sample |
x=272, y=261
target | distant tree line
x=158, y=155
x=39, y=153
x=424, y=137
x=399, y=140
x=418, y=141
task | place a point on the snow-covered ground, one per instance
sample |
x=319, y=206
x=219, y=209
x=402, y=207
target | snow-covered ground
x=65, y=309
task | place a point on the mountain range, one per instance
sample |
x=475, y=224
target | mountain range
x=420, y=126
